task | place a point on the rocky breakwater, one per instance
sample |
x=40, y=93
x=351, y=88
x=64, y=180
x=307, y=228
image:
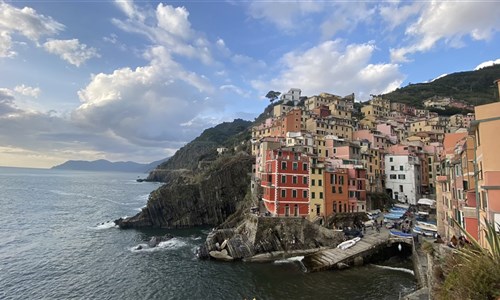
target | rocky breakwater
x=268, y=238
x=190, y=199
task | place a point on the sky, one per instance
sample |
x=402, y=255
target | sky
x=135, y=81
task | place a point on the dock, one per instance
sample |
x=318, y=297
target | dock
x=371, y=243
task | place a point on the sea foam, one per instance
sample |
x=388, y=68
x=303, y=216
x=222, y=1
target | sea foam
x=289, y=260
x=396, y=269
x=106, y=225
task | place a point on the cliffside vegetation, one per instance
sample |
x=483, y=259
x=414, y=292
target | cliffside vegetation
x=472, y=87
x=472, y=272
x=204, y=147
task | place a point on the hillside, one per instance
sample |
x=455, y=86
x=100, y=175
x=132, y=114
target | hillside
x=472, y=87
x=103, y=165
x=204, y=147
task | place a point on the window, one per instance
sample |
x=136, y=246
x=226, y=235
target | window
x=341, y=180
x=340, y=190
x=333, y=190
x=313, y=195
x=283, y=178
x=401, y=188
x=313, y=171
x=283, y=193
x=401, y=176
x=304, y=194
x=401, y=168
x=304, y=166
x=320, y=182
x=283, y=165
x=320, y=195
x=392, y=168
x=294, y=179
x=313, y=182
x=392, y=176
x=391, y=159
x=320, y=171
x=304, y=180
x=294, y=193
x=270, y=178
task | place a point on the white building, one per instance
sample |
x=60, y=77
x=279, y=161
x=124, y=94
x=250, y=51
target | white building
x=292, y=95
x=403, y=177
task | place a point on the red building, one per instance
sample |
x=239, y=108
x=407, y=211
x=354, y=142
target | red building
x=285, y=182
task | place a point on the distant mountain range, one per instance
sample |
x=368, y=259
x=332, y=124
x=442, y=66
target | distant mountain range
x=103, y=165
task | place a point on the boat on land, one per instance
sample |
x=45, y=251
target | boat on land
x=427, y=226
x=403, y=206
x=348, y=244
x=400, y=234
x=419, y=230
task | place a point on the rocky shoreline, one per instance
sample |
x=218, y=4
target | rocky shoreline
x=258, y=238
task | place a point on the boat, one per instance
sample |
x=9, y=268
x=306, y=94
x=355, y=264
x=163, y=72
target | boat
x=419, y=230
x=427, y=226
x=403, y=206
x=400, y=234
x=393, y=216
x=348, y=244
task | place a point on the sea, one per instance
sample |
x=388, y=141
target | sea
x=57, y=242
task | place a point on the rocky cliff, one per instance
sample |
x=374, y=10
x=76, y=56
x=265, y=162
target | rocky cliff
x=190, y=198
x=268, y=238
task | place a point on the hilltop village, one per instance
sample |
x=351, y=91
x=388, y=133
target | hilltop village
x=318, y=156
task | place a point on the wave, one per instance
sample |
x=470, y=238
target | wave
x=172, y=244
x=63, y=193
x=396, y=269
x=289, y=260
x=106, y=225
x=142, y=198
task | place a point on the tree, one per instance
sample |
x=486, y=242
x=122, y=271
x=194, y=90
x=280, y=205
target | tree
x=272, y=95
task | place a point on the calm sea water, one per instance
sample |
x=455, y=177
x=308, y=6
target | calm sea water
x=52, y=247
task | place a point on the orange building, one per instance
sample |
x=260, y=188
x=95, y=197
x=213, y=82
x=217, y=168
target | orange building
x=336, y=190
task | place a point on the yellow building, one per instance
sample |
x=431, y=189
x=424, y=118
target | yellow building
x=329, y=126
x=316, y=189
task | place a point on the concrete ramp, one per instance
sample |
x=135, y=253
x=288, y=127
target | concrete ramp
x=331, y=258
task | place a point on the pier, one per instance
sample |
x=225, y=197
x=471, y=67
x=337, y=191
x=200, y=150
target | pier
x=370, y=244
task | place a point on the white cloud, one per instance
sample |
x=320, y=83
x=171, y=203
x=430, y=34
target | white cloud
x=26, y=22
x=346, y=16
x=130, y=9
x=488, y=63
x=6, y=45
x=71, y=50
x=330, y=67
x=28, y=90
x=450, y=22
x=174, y=20
x=235, y=89
x=36, y=139
x=440, y=76
x=395, y=15
x=169, y=27
x=286, y=15
x=145, y=106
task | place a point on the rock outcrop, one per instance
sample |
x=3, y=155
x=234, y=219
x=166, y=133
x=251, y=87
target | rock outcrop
x=206, y=198
x=259, y=235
